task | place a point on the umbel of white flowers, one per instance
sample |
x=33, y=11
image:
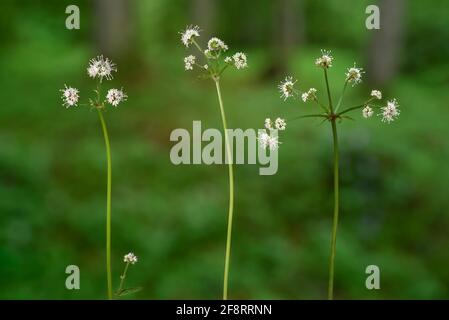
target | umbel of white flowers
x=287, y=89
x=99, y=68
x=214, y=64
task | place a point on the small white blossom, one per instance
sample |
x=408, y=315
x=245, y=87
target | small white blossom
x=390, y=112
x=206, y=66
x=268, y=124
x=70, y=96
x=228, y=60
x=367, y=112
x=280, y=124
x=354, y=75
x=240, y=61
x=266, y=140
x=216, y=44
x=188, y=35
x=115, y=96
x=309, y=95
x=376, y=94
x=101, y=67
x=287, y=88
x=189, y=62
x=130, y=258
x=325, y=61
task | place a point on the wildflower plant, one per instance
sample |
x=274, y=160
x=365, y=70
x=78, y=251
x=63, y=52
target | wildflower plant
x=211, y=64
x=128, y=259
x=334, y=114
x=100, y=68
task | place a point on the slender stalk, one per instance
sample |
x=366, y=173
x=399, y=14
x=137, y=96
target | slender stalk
x=335, y=219
x=231, y=193
x=341, y=97
x=328, y=91
x=122, y=279
x=108, y=204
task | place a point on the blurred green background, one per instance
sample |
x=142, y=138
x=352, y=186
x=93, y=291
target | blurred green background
x=394, y=178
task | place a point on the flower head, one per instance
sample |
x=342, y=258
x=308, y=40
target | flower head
x=189, y=34
x=367, y=112
x=189, y=62
x=287, y=88
x=309, y=95
x=216, y=44
x=130, y=258
x=266, y=140
x=228, y=60
x=115, y=96
x=240, y=61
x=354, y=75
x=70, y=96
x=101, y=67
x=325, y=61
x=268, y=124
x=376, y=94
x=390, y=112
x=280, y=124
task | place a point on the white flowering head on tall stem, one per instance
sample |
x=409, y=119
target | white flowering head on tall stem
x=210, y=61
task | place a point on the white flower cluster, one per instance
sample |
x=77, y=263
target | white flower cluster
x=70, y=96
x=215, y=48
x=390, y=112
x=287, y=88
x=325, y=61
x=115, y=96
x=189, y=35
x=376, y=94
x=354, y=75
x=100, y=68
x=268, y=141
x=310, y=95
x=130, y=258
x=278, y=124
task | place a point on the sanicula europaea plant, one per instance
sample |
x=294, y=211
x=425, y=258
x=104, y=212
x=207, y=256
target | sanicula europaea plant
x=128, y=259
x=214, y=63
x=101, y=68
x=331, y=113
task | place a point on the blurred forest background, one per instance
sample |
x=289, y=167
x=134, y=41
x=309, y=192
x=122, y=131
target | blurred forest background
x=394, y=178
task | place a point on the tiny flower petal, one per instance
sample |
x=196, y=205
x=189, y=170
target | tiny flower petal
x=215, y=44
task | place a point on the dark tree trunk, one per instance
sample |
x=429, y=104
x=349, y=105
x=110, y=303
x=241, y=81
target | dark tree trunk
x=386, y=43
x=113, y=26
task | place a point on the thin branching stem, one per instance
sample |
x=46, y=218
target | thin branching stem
x=341, y=97
x=231, y=193
x=108, y=203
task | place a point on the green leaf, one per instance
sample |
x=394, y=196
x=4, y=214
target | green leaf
x=128, y=291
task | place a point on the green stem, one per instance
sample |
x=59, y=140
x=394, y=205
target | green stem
x=231, y=193
x=108, y=205
x=341, y=97
x=335, y=219
x=328, y=91
x=122, y=279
